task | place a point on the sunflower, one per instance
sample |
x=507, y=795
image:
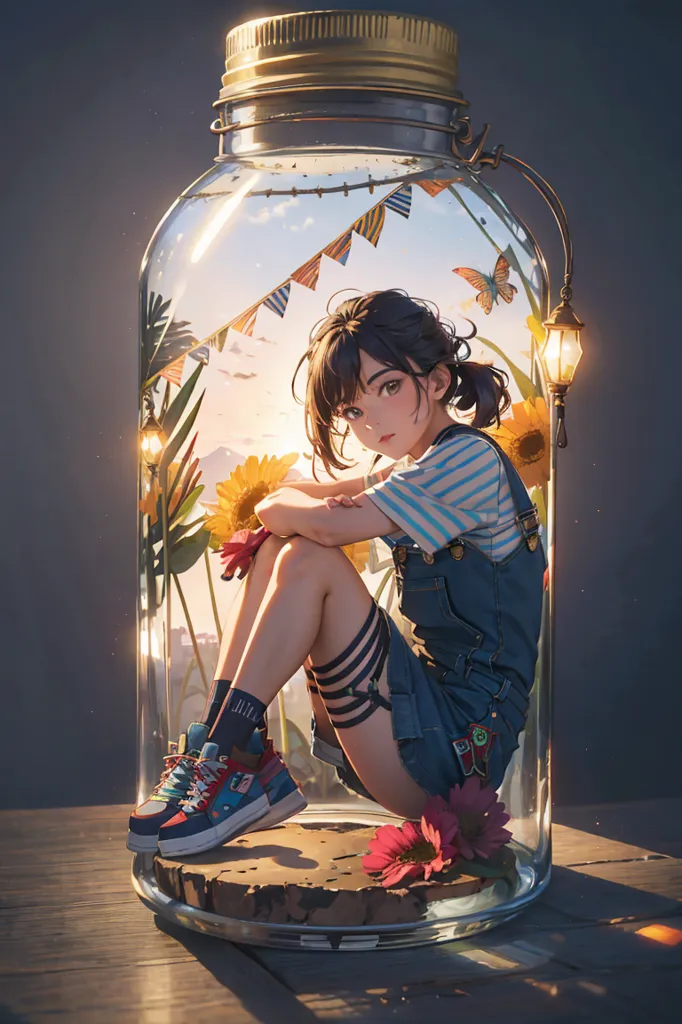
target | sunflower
x=240, y=493
x=358, y=552
x=524, y=436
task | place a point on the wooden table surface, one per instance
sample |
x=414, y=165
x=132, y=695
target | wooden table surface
x=77, y=944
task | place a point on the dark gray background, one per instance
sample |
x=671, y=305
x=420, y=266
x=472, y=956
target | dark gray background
x=105, y=120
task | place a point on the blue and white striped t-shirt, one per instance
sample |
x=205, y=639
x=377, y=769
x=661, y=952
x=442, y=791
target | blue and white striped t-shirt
x=458, y=487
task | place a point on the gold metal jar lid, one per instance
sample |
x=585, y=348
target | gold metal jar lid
x=365, y=50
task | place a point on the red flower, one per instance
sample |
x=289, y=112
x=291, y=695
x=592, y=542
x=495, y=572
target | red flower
x=414, y=849
x=480, y=816
x=238, y=551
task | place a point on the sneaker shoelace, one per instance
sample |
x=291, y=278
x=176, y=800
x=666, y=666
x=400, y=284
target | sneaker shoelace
x=205, y=780
x=176, y=775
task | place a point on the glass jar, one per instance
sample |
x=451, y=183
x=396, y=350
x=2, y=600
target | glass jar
x=340, y=167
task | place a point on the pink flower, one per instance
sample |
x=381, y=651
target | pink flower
x=481, y=817
x=414, y=849
x=238, y=551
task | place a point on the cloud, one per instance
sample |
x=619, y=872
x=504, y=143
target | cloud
x=268, y=211
x=302, y=227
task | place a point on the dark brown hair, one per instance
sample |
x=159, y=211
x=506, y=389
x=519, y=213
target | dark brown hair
x=389, y=326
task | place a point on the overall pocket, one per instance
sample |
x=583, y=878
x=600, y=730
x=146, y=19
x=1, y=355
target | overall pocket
x=427, y=604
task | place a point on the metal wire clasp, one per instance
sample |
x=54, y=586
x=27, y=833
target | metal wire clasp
x=529, y=522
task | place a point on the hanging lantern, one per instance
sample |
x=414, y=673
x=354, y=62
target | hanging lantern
x=152, y=439
x=346, y=163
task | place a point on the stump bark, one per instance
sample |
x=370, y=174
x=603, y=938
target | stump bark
x=308, y=874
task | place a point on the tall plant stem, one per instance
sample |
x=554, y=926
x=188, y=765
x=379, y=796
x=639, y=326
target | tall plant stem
x=181, y=696
x=283, y=723
x=214, y=605
x=192, y=634
x=163, y=484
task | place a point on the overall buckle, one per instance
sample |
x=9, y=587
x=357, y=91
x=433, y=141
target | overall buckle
x=529, y=522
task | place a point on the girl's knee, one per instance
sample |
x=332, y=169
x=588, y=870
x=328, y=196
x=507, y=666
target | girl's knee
x=267, y=553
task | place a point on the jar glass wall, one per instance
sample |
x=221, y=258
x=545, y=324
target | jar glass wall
x=239, y=271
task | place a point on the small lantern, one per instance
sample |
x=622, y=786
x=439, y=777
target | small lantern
x=560, y=355
x=561, y=351
x=152, y=439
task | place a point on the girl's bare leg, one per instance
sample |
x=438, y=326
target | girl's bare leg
x=314, y=605
x=240, y=623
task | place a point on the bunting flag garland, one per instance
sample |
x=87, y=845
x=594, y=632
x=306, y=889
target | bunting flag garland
x=245, y=322
x=277, y=300
x=308, y=274
x=338, y=249
x=173, y=372
x=400, y=201
x=433, y=188
x=371, y=224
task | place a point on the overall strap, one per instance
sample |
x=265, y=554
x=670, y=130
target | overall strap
x=527, y=515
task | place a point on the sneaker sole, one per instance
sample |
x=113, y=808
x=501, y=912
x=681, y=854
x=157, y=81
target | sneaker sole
x=285, y=808
x=219, y=834
x=142, y=844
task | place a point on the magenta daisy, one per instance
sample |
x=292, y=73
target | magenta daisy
x=414, y=849
x=481, y=817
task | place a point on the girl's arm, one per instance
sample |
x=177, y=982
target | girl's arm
x=351, y=486
x=290, y=511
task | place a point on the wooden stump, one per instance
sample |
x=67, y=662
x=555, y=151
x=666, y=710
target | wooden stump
x=308, y=874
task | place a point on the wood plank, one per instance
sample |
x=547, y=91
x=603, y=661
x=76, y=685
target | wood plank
x=571, y=847
x=157, y=992
x=528, y=998
x=603, y=892
x=119, y=962
x=654, y=824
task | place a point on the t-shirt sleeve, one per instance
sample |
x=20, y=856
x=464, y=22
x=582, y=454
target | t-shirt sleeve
x=449, y=491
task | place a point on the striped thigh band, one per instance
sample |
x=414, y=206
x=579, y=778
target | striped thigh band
x=348, y=685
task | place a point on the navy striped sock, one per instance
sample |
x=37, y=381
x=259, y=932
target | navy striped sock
x=241, y=713
x=214, y=702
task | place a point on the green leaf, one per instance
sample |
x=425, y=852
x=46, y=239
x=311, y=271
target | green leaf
x=523, y=383
x=183, y=554
x=182, y=529
x=181, y=468
x=186, y=552
x=500, y=863
x=177, y=406
x=176, y=442
x=187, y=504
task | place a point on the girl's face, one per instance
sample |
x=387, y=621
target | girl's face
x=384, y=416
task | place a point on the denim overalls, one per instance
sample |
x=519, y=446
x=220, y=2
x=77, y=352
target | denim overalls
x=458, y=707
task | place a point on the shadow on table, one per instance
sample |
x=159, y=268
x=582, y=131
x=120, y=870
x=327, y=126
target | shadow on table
x=261, y=992
x=655, y=825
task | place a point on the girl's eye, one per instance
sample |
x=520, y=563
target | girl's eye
x=346, y=414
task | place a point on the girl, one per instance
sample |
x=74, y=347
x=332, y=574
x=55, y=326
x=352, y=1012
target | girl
x=400, y=720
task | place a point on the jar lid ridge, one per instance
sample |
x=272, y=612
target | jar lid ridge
x=340, y=49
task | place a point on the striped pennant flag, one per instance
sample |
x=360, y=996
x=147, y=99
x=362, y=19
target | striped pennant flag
x=173, y=372
x=245, y=323
x=219, y=338
x=371, y=224
x=400, y=201
x=434, y=187
x=338, y=249
x=277, y=300
x=308, y=274
x=200, y=354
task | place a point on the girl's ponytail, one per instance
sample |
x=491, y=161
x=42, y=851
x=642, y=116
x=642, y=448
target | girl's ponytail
x=473, y=385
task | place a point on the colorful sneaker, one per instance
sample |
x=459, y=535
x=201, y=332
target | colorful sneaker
x=223, y=799
x=164, y=803
x=284, y=797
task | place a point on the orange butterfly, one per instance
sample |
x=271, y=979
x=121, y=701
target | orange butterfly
x=489, y=288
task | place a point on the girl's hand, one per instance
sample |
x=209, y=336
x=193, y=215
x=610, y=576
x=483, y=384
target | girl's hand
x=344, y=500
